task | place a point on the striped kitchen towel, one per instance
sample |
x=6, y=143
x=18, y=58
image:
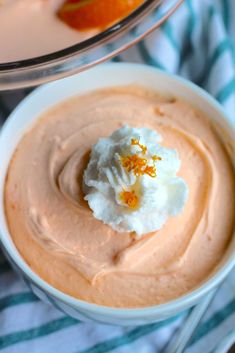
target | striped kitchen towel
x=197, y=42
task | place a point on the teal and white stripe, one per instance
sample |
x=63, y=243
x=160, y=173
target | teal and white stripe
x=196, y=43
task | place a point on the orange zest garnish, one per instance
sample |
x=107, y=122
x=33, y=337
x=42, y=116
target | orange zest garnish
x=150, y=170
x=129, y=198
x=89, y=14
x=135, y=142
x=139, y=165
x=134, y=163
x=156, y=158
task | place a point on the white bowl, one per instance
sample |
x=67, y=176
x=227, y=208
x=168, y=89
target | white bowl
x=46, y=96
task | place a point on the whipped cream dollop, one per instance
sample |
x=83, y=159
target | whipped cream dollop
x=130, y=182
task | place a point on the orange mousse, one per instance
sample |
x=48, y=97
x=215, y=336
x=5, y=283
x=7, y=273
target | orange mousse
x=60, y=239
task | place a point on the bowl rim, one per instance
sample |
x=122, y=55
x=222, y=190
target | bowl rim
x=177, y=304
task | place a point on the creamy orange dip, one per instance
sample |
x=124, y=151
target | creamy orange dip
x=30, y=28
x=56, y=233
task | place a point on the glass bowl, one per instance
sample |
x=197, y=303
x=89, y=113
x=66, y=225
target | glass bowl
x=103, y=46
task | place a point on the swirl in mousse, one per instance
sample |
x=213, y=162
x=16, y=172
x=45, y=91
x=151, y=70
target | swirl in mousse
x=121, y=197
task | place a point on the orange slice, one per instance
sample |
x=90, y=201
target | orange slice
x=95, y=14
